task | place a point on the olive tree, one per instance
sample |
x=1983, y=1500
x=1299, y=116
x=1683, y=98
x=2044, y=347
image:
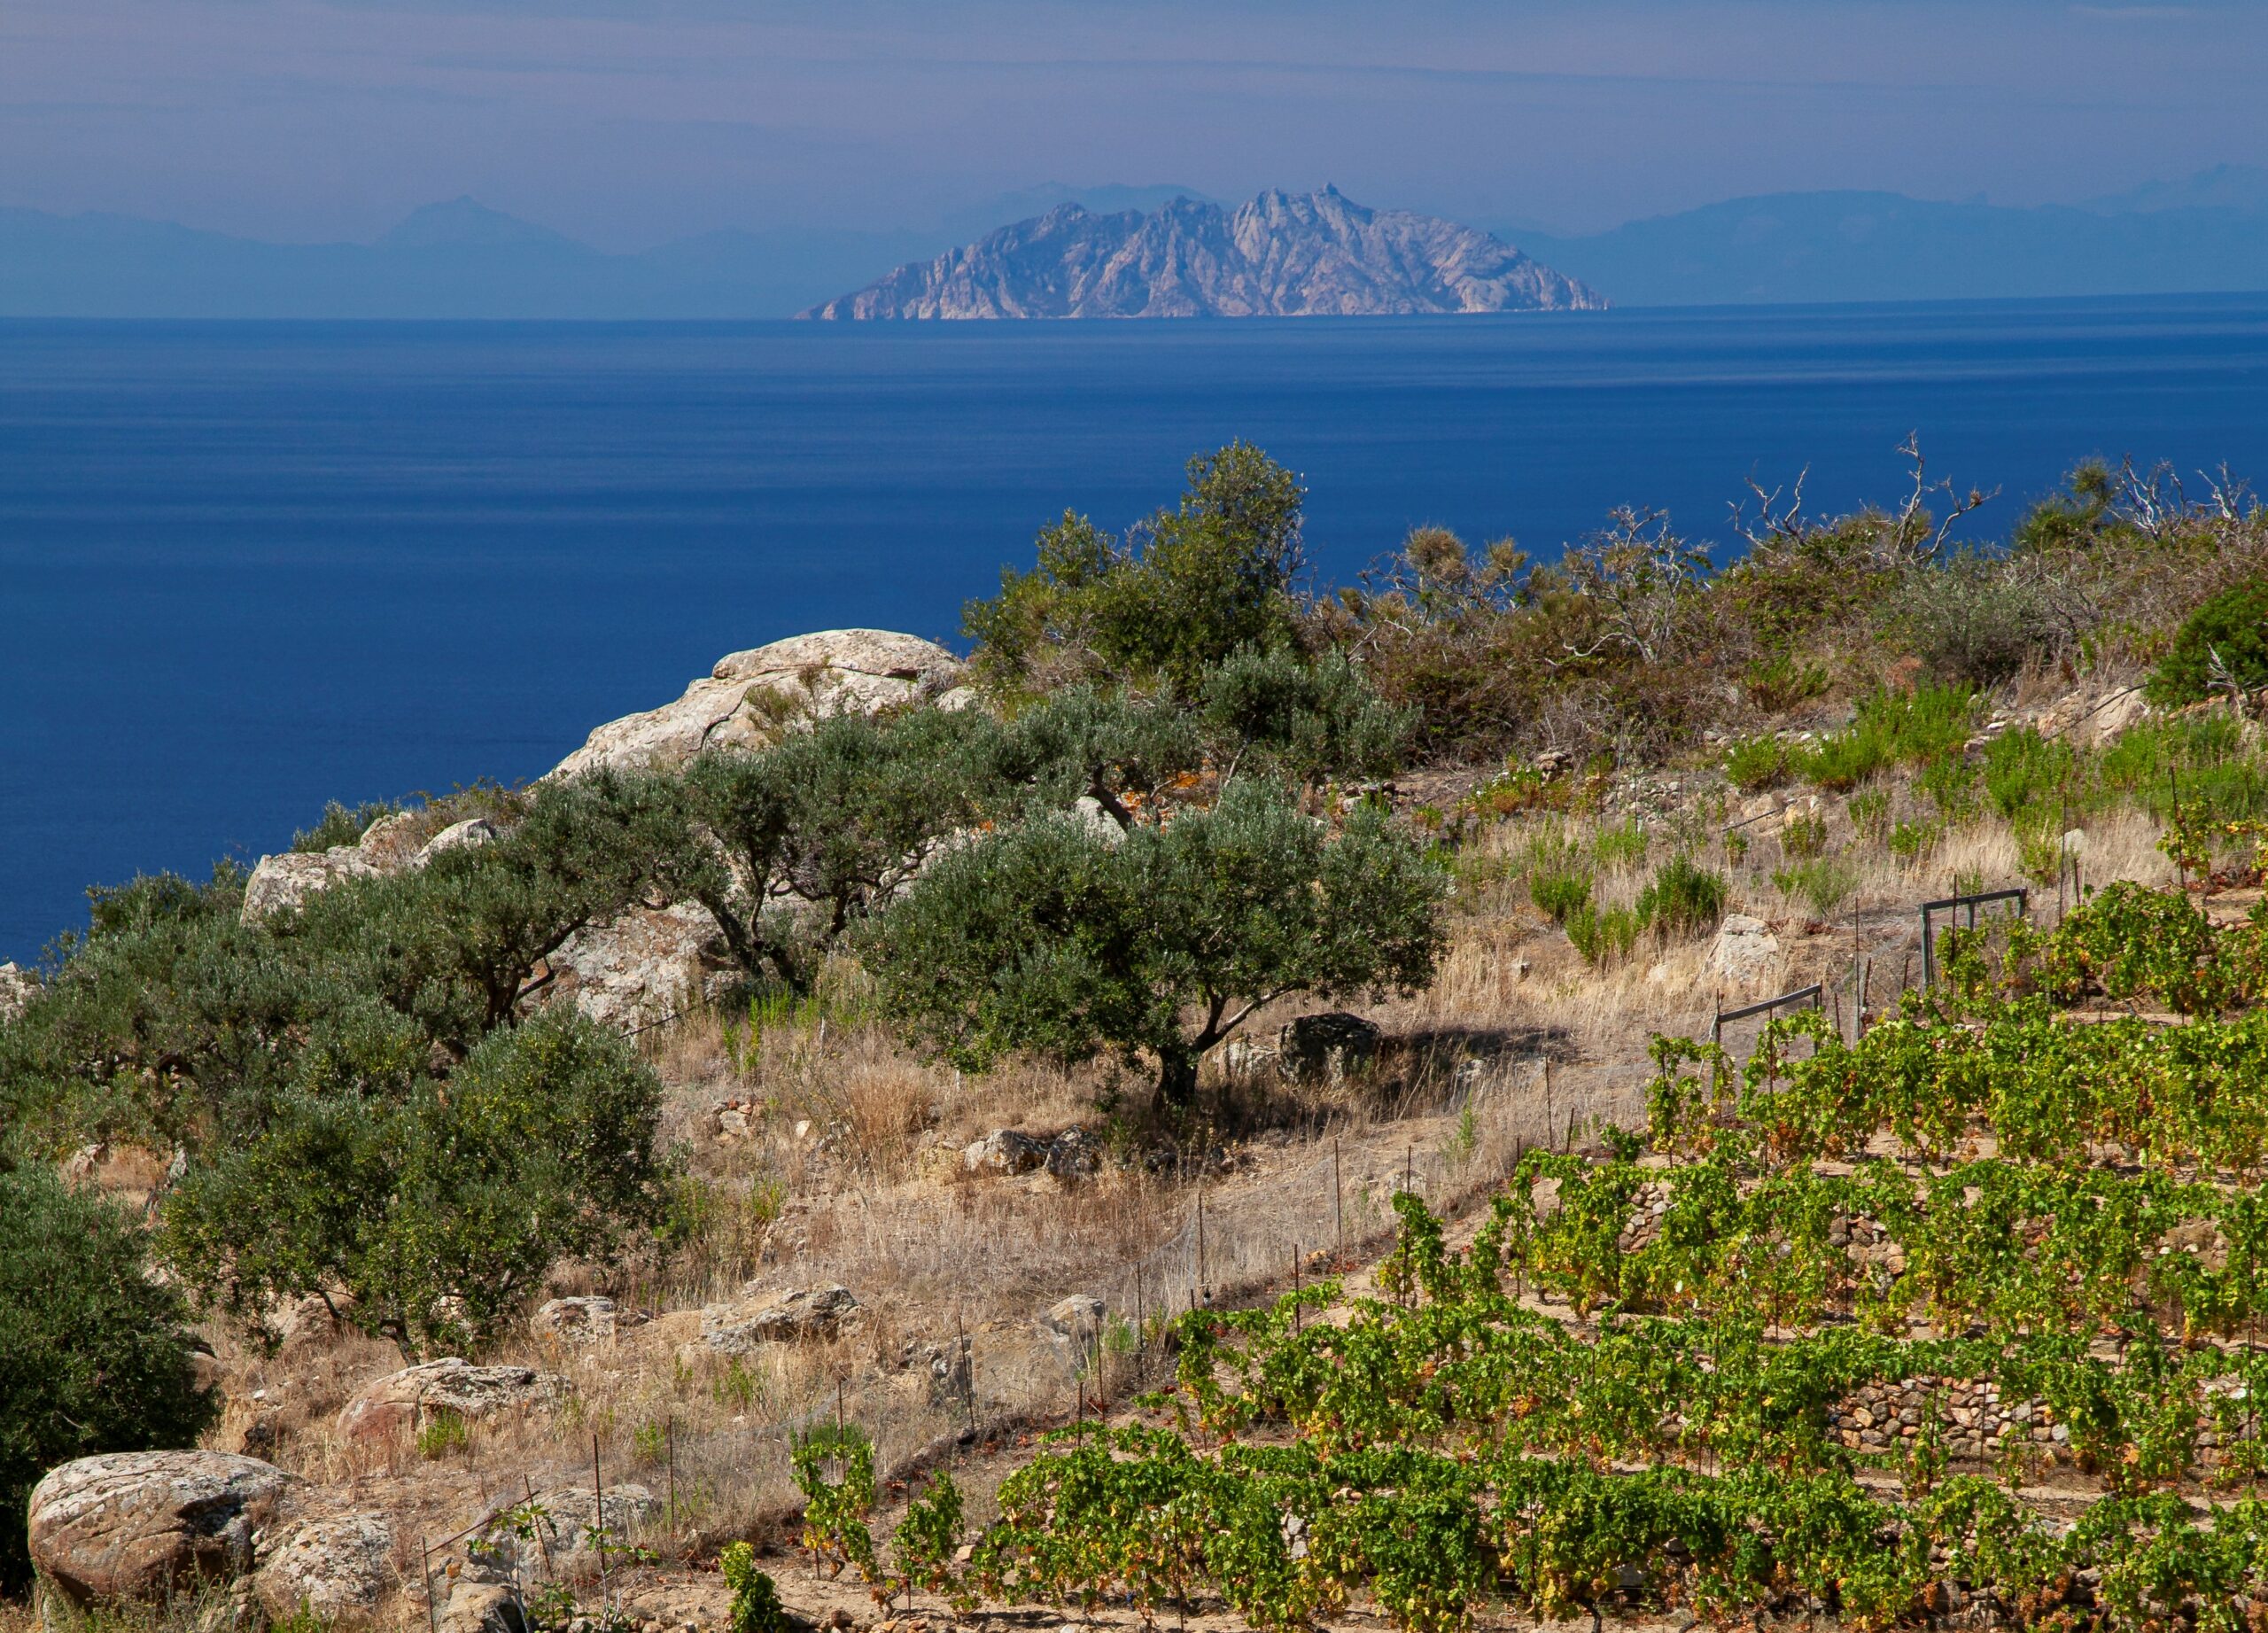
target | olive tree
x=1056, y=939
x=789, y=846
x=94, y=1355
x=425, y=1210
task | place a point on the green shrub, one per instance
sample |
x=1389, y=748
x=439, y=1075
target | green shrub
x=1683, y=899
x=1052, y=938
x=1603, y=934
x=94, y=1355
x=1973, y=624
x=343, y=825
x=437, y=1209
x=1621, y=845
x=443, y=1432
x=1844, y=760
x=1754, y=764
x=2022, y=767
x=1184, y=589
x=1951, y=785
x=2223, y=643
x=1910, y=842
x=1781, y=682
x=1824, y=883
x=1275, y=713
x=1871, y=813
x=1804, y=834
x=1918, y=728
x=755, y=1598
x=1557, y=881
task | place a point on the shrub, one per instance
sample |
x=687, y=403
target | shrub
x=1754, y=763
x=1053, y=938
x=343, y=825
x=1910, y=842
x=1871, y=813
x=1918, y=728
x=1823, y=882
x=1603, y=934
x=1804, y=834
x=442, y=1433
x=1684, y=898
x=2223, y=643
x=1184, y=589
x=1974, y=622
x=93, y=1353
x=1275, y=713
x=1622, y=845
x=1781, y=682
x=436, y=1208
x=2022, y=767
x=1558, y=882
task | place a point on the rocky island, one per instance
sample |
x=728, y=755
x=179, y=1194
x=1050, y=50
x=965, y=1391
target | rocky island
x=1279, y=255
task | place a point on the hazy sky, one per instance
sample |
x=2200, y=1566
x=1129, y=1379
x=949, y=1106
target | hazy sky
x=628, y=122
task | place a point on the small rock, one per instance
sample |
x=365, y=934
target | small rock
x=800, y=1317
x=458, y=837
x=1745, y=951
x=481, y=1608
x=581, y=1320
x=1077, y=1320
x=1004, y=1151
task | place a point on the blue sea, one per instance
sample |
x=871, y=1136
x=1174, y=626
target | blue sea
x=247, y=568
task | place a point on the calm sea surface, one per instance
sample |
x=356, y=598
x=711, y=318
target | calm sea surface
x=245, y=569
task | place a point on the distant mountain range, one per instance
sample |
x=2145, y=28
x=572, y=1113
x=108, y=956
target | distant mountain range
x=1281, y=255
x=460, y=259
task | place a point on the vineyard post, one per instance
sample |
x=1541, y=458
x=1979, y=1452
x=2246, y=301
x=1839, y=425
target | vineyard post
x=1550, y=1123
x=425, y=1561
x=668, y=1432
x=1295, y=1289
x=1338, y=1199
x=598, y=1514
x=1138, y=1334
x=1410, y=1168
x=1203, y=1279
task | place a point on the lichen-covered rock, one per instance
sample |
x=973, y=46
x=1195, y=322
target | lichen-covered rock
x=135, y=1525
x=582, y=1320
x=567, y=1522
x=804, y=1316
x=405, y=1399
x=480, y=1608
x=1745, y=953
x=744, y=701
x=1004, y=1151
x=339, y=1568
x=1077, y=1321
x=644, y=966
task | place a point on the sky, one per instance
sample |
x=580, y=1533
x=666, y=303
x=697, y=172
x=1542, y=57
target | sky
x=629, y=122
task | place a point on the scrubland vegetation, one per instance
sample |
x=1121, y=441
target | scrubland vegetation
x=1503, y=805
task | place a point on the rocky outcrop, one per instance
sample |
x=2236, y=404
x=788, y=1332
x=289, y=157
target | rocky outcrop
x=405, y=1399
x=1007, y=1151
x=644, y=966
x=747, y=699
x=339, y=1568
x=18, y=987
x=389, y=845
x=135, y=1525
x=806, y=1315
x=1281, y=255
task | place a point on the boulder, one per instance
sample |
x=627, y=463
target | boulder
x=1745, y=952
x=744, y=701
x=644, y=966
x=1327, y=1048
x=339, y=1568
x=562, y=1543
x=403, y=1400
x=1077, y=1320
x=582, y=1320
x=281, y=884
x=135, y=1525
x=1004, y=1151
x=458, y=837
x=800, y=1317
x=18, y=987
